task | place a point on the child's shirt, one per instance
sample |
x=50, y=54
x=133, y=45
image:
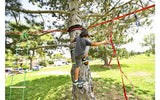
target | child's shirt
x=81, y=44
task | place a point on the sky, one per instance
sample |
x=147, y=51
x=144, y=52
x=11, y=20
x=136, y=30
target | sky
x=138, y=37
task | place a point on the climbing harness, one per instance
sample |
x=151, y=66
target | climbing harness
x=74, y=27
x=24, y=35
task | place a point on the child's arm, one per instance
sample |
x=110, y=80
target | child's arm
x=100, y=43
x=72, y=39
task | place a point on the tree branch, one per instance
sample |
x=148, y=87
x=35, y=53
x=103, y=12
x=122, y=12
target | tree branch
x=15, y=17
x=31, y=38
x=92, y=15
x=37, y=12
x=49, y=46
x=42, y=19
x=110, y=11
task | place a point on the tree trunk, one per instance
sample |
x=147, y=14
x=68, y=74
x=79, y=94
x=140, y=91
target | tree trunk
x=31, y=60
x=31, y=63
x=86, y=93
x=105, y=59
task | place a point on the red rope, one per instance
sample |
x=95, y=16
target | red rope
x=121, y=16
x=37, y=32
x=48, y=31
x=75, y=29
x=92, y=25
x=115, y=54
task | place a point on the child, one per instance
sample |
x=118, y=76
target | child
x=81, y=49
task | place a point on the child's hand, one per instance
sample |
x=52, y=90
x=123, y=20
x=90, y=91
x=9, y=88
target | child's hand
x=106, y=41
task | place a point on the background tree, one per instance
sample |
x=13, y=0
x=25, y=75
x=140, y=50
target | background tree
x=70, y=12
x=149, y=41
x=9, y=58
x=34, y=42
x=120, y=37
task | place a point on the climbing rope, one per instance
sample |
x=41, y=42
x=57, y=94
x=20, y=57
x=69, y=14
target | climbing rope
x=24, y=35
x=110, y=39
x=122, y=73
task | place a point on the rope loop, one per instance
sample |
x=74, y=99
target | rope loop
x=137, y=21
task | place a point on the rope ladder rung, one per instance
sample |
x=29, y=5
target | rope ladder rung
x=17, y=87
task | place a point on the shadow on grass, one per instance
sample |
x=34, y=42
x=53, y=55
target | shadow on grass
x=46, y=88
x=99, y=67
x=111, y=89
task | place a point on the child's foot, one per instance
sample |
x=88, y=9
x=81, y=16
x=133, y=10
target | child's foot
x=78, y=83
x=85, y=61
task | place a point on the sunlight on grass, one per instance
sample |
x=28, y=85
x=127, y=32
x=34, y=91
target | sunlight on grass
x=139, y=69
x=107, y=83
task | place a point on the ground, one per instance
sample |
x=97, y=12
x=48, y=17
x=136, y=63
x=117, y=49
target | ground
x=54, y=83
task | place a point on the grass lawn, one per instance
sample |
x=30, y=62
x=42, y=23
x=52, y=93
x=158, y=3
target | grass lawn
x=107, y=83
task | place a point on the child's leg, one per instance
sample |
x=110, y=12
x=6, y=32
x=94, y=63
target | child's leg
x=76, y=74
x=78, y=64
x=85, y=58
x=86, y=51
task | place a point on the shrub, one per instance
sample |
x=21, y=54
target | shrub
x=16, y=66
x=43, y=63
x=51, y=62
x=25, y=66
x=69, y=60
x=8, y=64
x=147, y=53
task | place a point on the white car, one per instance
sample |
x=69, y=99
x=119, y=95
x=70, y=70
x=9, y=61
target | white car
x=60, y=63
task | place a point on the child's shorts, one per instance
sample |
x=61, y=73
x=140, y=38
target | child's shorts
x=78, y=60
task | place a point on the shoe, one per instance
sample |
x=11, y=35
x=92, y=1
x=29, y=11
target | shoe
x=85, y=61
x=78, y=83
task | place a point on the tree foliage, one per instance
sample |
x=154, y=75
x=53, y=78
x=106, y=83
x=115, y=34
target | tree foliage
x=149, y=41
x=91, y=12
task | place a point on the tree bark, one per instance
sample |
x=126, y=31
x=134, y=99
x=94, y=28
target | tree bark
x=86, y=93
x=31, y=60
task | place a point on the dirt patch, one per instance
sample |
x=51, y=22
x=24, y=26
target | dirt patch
x=140, y=74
